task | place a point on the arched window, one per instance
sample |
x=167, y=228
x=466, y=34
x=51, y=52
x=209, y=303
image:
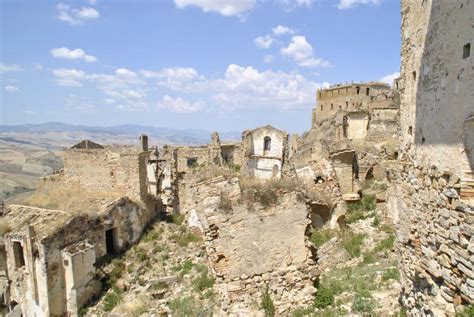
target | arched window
x=267, y=143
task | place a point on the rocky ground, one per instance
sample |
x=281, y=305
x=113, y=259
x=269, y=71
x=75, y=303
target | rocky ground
x=166, y=273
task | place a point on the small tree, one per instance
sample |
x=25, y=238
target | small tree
x=267, y=303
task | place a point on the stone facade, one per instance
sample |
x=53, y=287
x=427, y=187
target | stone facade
x=51, y=254
x=252, y=247
x=432, y=196
x=350, y=97
x=265, y=150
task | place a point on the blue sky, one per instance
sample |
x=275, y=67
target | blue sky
x=220, y=65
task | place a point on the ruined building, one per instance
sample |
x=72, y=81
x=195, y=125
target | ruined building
x=434, y=195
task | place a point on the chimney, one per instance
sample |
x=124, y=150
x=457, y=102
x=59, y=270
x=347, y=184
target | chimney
x=144, y=142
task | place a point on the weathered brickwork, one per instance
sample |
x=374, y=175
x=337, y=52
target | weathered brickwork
x=432, y=197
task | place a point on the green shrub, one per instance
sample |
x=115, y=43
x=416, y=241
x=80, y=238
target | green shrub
x=185, y=238
x=141, y=254
x=352, y=242
x=362, y=304
x=467, y=312
x=369, y=257
x=177, y=219
x=202, y=282
x=112, y=298
x=183, y=307
x=325, y=294
x=151, y=235
x=376, y=221
x=302, y=311
x=360, y=209
x=320, y=237
x=159, y=286
x=267, y=303
x=391, y=274
x=184, y=268
x=385, y=244
x=117, y=271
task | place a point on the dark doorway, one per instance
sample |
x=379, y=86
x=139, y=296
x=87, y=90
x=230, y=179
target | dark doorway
x=110, y=238
x=18, y=254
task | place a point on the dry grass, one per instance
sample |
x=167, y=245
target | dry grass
x=4, y=226
x=133, y=307
x=73, y=198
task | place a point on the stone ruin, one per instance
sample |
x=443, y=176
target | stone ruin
x=410, y=145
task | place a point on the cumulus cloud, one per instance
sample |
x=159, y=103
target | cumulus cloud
x=302, y=53
x=179, y=105
x=64, y=52
x=10, y=88
x=76, y=16
x=281, y=30
x=69, y=77
x=347, y=4
x=223, y=7
x=184, y=90
x=6, y=68
x=290, y=5
x=390, y=78
x=263, y=41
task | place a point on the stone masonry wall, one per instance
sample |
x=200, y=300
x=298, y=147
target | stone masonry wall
x=431, y=194
x=251, y=247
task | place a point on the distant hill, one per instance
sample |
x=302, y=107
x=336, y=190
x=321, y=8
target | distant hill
x=161, y=135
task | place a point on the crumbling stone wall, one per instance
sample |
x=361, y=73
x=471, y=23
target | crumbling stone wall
x=431, y=196
x=252, y=247
x=113, y=169
x=59, y=250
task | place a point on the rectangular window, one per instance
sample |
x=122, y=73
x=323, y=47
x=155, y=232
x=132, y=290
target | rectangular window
x=367, y=91
x=414, y=75
x=357, y=90
x=466, y=50
x=111, y=241
x=347, y=104
x=191, y=162
x=18, y=254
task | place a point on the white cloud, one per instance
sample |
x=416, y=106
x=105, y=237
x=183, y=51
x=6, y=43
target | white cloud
x=64, y=52
x=302, y=52
x=69, y=77
x=223, y=7
x=76, y=16
x=390, y=78
x=290, y=5
x=11, y=88
x=263, y=41
x=268, y=59
x=179, y=105
x=281, y=30
x=347, y=4
x=173, y=77
x=5, y=68
x=92, y=2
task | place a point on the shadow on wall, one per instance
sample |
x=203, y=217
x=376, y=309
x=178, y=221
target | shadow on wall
x=445, y=98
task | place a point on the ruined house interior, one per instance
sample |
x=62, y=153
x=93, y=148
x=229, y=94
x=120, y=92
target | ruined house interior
x=361, y=134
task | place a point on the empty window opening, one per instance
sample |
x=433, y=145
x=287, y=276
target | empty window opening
x=267, y=143
x=367, y=91
x=414, y=75
x=410, y=130
x=111, y=241
x=191, y=161
x=340, y=107
x=357, y=90
x=423, y=140
x=18, y=254
x=370, y=174
x=319, y=95
x=319, y=180
x=275, y=170
x=332, y=106
x=466, y=50
x=347, y=104
x=322, y=107
x=320, y=214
